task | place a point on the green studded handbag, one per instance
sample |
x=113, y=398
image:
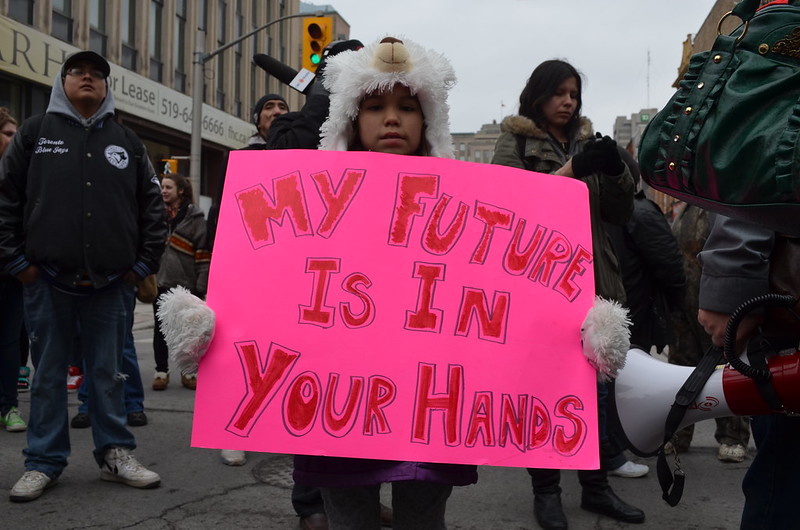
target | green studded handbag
x=729, y=139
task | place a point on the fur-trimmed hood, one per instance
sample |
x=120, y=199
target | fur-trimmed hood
x=351, y=75
x=527, y=127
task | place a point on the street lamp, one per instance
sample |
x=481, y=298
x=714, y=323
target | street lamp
x=200, y=59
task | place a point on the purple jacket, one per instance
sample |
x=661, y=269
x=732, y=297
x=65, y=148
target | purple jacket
x=326, y=471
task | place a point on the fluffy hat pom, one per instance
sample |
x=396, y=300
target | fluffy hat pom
x=188, y=327
x=606, y=337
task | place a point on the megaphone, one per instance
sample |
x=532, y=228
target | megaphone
x=645, y=390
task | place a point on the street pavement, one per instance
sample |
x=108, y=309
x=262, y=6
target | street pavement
x=198, y=491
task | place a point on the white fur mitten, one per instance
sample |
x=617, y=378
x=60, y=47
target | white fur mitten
x=606, y=337
x=188, y=327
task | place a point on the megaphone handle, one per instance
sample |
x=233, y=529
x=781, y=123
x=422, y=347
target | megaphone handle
x=764, y=386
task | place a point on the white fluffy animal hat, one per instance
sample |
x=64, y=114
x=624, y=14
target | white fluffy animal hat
x=351, y=75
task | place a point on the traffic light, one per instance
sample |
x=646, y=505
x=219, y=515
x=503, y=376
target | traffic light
x=317, y=33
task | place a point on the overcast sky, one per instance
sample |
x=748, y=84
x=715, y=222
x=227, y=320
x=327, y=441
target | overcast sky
x=494, y=46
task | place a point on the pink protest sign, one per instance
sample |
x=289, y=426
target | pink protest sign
x=402, y=308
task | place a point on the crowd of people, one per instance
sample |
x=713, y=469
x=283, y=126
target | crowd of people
x=75, y=250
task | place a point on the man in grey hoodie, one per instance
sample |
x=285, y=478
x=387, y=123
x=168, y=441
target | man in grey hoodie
x=81, y=222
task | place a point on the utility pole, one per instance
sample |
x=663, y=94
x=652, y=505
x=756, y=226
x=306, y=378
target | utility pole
x=200, y=59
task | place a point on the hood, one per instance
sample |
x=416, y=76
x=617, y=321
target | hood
x=351, y=75
x=194, y=211
x=59, y=104
x=524, y=126
x=256, y=139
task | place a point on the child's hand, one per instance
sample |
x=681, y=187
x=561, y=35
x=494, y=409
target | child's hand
x=565, y=170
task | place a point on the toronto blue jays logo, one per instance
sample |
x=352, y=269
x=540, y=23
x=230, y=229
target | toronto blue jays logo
x=117, y=156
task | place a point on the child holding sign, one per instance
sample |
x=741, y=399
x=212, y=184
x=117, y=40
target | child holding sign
x=390, y=97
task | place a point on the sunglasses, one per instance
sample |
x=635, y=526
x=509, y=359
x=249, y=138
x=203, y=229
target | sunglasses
x=80, y=72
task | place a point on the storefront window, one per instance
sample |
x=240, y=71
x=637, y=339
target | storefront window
x=11, y=97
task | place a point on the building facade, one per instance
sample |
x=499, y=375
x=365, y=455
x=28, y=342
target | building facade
x=479, y=146
x=151, y=46
x=628, y=131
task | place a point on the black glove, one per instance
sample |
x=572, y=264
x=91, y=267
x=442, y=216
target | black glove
x=599, y=155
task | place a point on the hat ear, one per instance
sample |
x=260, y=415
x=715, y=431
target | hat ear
x=335, y=48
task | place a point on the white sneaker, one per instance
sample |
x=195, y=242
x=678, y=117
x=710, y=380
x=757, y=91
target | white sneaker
x=630, y=470
x=732, y=453
x=119, y=465
x=232, y=457
x=30, y=486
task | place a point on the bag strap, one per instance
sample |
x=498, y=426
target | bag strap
x=672, y=483
x=521, y=140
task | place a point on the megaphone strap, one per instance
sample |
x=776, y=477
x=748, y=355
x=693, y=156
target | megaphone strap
x=691, y=388
x=672, y=483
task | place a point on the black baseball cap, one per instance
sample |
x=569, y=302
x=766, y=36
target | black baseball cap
x=89, y=57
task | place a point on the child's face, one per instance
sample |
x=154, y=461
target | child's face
x=391, y=122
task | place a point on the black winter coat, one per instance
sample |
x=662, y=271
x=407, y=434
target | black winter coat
x=79, y=201
x=652, y=272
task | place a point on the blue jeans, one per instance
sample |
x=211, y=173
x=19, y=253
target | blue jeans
x=10, y=326
x=771, y=485
x=50, y=317
x=611, y=451
x=134, y=391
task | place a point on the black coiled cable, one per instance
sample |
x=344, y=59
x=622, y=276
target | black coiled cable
x=729, y=346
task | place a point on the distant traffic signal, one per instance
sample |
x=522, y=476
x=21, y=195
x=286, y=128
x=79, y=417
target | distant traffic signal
x=170, y=166
x=317, y=33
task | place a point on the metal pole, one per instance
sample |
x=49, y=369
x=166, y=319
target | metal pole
x=198, y=65
x=197, y=116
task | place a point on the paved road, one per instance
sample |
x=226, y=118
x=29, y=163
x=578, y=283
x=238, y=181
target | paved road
x=199, y=492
